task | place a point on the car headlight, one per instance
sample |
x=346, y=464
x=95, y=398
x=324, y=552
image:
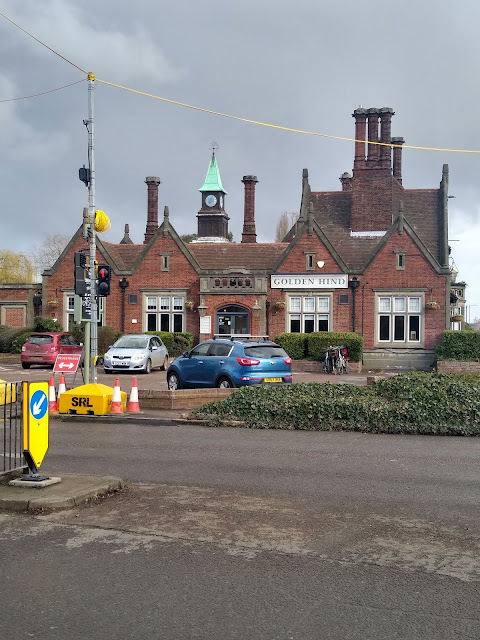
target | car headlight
x=139, y=356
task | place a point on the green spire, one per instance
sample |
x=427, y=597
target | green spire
x=213, y=181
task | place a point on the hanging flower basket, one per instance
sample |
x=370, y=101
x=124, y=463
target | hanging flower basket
x=432, y=304
x=456, y=318
x=190, y=305
x=280, y=305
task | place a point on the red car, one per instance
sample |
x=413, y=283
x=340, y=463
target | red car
x=43, y=348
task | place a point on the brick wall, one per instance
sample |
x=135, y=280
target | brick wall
x=455, y=366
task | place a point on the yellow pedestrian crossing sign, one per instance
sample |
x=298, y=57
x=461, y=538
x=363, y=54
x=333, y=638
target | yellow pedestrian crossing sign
x=35, y=422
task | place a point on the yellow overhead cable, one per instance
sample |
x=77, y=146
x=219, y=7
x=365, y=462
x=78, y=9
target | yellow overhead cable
x=226, y=115
x=280, y=127
x=35, y=95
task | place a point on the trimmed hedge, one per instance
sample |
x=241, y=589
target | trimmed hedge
x=176, y=343
x=416, y=403
x=459, y=345
x=318, y=343
x=295, y=344
x=314, y=345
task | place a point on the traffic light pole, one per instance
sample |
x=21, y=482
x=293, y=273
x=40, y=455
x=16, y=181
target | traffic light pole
x=93, y=247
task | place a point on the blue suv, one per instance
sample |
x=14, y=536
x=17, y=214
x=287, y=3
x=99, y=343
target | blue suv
x=233, y=361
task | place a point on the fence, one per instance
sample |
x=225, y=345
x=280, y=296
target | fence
x=11, y=427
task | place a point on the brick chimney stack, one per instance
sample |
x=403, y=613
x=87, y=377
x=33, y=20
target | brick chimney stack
x=360, y=116
x=152, y=183
x=249, y=233
x=397, y=158
x=386, y=114
x=373, y=149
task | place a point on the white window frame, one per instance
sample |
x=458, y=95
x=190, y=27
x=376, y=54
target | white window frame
x=393, y=302
x=169, y=303
x=300, y=309
x=68, y=309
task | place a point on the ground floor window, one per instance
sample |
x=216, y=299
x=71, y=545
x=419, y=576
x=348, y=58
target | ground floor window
x=69, y=312
x=309, y=313
x=165, y=312
x=399, y=319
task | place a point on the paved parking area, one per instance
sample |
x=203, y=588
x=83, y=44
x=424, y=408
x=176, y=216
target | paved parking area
x=12, y=371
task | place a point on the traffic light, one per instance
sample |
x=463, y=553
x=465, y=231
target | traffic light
x=104, y=273
x=80, y=262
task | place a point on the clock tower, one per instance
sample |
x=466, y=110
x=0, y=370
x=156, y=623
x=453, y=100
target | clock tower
x=212, y=217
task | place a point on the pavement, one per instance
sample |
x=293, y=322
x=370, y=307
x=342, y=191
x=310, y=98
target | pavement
x=75, y=489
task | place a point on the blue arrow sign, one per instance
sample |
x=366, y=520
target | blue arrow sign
x=38, y=404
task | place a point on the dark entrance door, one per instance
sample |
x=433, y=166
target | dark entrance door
x=232, y=319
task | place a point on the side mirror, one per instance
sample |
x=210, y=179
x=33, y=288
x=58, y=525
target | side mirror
x=154, y=347
x=81, y=344
x=185, y=354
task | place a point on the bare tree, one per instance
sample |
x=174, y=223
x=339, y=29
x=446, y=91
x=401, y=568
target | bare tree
x=285, y=222
x=46, y=254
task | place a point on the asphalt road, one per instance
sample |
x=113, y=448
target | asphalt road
x=232, y=533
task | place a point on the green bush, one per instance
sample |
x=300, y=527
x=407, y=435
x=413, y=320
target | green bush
x=19, y=339
x=46, y=325
x=295, y=344
x=176, y=343
x=417, y=403
x=106, y=336
x=318, y=343
x=314, y=345
x=459, y=345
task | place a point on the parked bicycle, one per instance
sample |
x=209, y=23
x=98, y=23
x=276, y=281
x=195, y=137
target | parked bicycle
x=336, y=359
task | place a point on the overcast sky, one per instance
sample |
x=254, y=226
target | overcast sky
x=305, y=64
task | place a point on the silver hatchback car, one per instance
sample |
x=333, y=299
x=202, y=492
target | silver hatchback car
x=136, y=352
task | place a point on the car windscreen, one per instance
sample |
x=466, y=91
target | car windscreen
x=265, y=351
x=40, y=339
x=130, y=342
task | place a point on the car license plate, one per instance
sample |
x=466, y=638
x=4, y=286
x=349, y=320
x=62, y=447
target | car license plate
x=273, y=379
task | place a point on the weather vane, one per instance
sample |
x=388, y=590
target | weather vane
x=214, y=146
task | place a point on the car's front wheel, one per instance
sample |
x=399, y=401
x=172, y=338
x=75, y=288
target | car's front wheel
x=148, y=367
x=225, y=383
x=173, y=381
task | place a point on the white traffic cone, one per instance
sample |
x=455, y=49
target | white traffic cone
x=116, y=399
x=52, y=401
x=133, y=406
x=61, y=388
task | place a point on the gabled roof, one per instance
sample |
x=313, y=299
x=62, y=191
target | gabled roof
x=213, y=181
x=231, y=256
x=332, y=212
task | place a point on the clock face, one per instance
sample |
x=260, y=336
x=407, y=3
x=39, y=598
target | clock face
x=210, y=200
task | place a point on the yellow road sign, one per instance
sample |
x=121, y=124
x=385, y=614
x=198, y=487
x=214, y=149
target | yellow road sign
x=35, y=421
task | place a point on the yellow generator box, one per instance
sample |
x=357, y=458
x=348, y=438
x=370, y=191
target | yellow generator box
x=89, y=399
x=8, y=392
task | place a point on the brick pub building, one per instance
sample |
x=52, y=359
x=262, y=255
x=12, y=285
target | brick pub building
x=370, y=258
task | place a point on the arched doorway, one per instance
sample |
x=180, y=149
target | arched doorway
x=232, y=319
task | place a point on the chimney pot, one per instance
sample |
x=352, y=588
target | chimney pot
x=249, y=234
x=152, y=183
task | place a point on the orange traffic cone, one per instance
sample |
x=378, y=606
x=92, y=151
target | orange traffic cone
x=133, y=406
x=61, y=388
x=116, y=399
x=52, y=401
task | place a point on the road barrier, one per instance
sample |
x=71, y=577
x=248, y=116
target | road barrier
x=11, y=427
